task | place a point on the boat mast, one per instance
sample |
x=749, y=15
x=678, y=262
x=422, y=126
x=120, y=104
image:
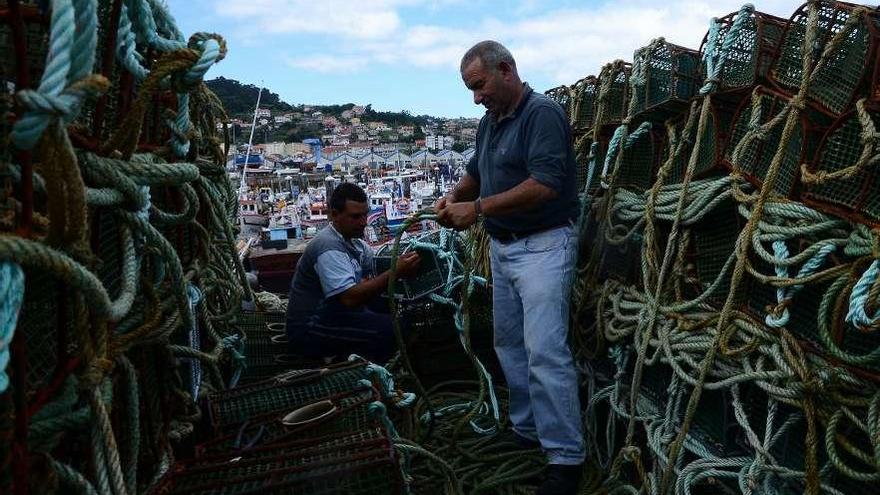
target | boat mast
x=242, y=188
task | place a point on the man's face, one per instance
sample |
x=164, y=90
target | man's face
x=352, y=220
x=487, y=84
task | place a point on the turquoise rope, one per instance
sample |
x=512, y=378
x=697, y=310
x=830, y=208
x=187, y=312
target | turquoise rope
x=714, y=57
x=194, y=295
x=857, y=314
x=145, y=26
x=615, y=144
x=180, y=126
x=164, y=19
x=83, y=59
x=235, y=345
x=780, y=252
x=126, y=48
x=386, y=380
x=11, y=297
x=447, y=238
x=44, y=101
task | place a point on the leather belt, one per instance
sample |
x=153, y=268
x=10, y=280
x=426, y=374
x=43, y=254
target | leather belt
x=505, y=237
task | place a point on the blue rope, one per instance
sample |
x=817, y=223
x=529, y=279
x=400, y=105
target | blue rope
x=126, y=48
x=145, y=26
x=28, y=129
x=615, y=144
x=453, y=281
x=11, y=297
x=164, y=20
x=83, y=60
x=386, y=382
x=714, y=56
x=71, y=59
x=857, y=315
x=378, y=409
x=194, y=295
x=235, y=345
x=784, y=294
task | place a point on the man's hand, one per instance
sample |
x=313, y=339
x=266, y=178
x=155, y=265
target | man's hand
x=408, y=264
x=443, y=202
x=458, y=215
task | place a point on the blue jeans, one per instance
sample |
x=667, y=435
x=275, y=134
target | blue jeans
x=532, y=280
x=334, y=330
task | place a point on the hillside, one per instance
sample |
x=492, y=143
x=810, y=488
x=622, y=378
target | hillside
x=239, y=100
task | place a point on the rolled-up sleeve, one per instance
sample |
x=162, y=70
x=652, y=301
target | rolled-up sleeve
x=472, y=168
x=547, y=145
x=336, y=272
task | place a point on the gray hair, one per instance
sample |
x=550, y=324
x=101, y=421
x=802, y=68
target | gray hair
x=491, y=53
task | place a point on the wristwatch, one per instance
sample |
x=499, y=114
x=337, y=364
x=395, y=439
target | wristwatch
x=478, y=209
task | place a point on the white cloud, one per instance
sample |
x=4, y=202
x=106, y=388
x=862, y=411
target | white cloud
x=559, y=45
x=327, y=64
x=363, y=19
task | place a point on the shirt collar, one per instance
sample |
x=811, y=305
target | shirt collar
x=333, y=228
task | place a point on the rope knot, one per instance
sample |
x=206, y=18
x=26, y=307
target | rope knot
x=95, y=372
x=812, y=386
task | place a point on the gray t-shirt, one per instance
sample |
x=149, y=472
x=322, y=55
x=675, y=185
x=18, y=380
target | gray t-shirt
x=535, y=141
x=329, y=266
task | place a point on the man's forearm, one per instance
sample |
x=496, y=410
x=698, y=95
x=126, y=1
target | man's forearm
x=527, y=195
x=365, y=291
x=467, y=189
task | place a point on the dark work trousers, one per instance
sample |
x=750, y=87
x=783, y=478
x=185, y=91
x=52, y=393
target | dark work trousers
x=338, y=331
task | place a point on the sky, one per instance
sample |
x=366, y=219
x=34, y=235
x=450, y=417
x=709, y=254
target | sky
x=404, y=54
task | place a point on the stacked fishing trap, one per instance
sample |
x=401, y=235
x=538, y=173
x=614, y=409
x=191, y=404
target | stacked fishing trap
x=727, y=304
x=121, y=288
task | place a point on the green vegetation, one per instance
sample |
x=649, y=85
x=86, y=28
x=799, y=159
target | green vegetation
x=239, y=99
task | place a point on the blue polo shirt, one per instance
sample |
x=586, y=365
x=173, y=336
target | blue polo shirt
x=534, y=141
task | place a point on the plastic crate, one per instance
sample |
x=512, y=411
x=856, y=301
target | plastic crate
x=664, y=77
x=290, y=390
x=751, y=53
x=266, y=350
x=641, y=160
x=714, y=425
x=841, y=79
x=331, y=414
x=622, y=260
x=583, y=104
x=431, y=276
x=561, y=95
x=712, y=143
x=612, y=101
x=858, y=196
x=757, y=154
x=361, y=462
x=712, y=243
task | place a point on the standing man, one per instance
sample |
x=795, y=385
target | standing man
x=327, y=313
x=521, y=178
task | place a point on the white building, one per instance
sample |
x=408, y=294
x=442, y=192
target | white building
x=452, y=158
x=398, y=160
x=344, y=162
x=264, y=112
x=439, y=142
x=372, y=160
x=424, y=158
x=276, y=148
